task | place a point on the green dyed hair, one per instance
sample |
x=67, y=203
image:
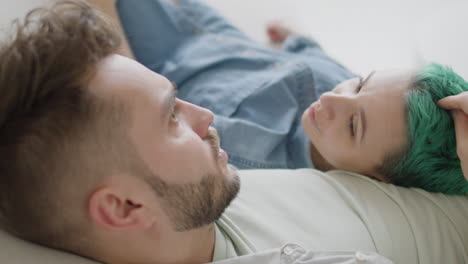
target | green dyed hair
x=429, y=160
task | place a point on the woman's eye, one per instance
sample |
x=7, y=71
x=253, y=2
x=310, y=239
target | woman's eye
x=174, y=118
x=351, y=125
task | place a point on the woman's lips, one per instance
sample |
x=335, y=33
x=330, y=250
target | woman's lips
x=312, y=112
x=312, y=115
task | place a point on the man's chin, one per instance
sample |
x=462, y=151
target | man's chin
x=233, y=181
x=228, y=171
x=232, y=170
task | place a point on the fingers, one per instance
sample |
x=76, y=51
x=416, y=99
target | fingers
x=449, y=103
x=461, y=133
x=459, y=101
x=277, y=31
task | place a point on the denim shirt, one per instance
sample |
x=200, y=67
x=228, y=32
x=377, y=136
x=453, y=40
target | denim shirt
x=257, y=94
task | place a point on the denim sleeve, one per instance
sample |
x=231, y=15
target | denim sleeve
x=257, y=94
x=307, y=47
x=157, y=29
x=265, y=131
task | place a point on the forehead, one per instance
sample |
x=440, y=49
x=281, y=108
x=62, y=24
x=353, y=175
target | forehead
x=130, y=82
x=384, y=102
x=118, y=75
x=144, y=94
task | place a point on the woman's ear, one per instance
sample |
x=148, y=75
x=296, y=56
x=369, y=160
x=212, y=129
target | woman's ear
x=113, y=207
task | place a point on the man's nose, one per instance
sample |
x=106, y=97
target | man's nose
x=335, y=104
x=199, y=119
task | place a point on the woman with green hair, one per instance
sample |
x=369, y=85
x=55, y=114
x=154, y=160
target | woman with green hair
x=397, y=132
x=396, y=126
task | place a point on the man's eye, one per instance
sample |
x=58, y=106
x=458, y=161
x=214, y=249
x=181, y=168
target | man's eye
x=174, y=118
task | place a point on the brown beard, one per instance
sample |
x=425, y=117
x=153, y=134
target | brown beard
x=194, y=205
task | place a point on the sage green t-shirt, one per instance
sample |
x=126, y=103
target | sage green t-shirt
x=342, y=211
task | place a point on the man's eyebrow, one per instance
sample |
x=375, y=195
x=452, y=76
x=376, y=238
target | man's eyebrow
x=363, y=113
x=169, y=102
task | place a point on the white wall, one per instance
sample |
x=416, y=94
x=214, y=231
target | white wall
x=362, y=34
x=368, y=34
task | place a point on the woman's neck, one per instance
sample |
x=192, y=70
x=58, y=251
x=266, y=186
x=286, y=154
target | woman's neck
x=317, y=159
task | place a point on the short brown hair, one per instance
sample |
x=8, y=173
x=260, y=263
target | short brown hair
x=50, y=124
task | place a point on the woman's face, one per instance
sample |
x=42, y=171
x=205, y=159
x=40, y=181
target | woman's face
x=356, y=124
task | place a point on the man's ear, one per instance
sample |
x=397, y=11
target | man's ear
x=113, y=208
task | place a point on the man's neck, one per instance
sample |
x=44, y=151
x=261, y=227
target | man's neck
x=193, y=247
x=203, y=245
x=317, y=159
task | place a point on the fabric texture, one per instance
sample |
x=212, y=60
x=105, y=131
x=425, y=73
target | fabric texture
x=257, y=94
x=341, y=211
x=330, y=214
x=295, y=254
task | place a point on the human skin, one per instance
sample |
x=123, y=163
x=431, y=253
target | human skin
x=131, y=224
x=458, y=106
x=354, y=126
x=336, y=127
x=130, y=221
x=329, y=150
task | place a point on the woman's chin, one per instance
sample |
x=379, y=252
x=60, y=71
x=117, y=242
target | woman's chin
x=306, y=125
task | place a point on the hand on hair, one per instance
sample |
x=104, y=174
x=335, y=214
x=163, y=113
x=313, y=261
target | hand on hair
x=278, y=32
x=458, y=104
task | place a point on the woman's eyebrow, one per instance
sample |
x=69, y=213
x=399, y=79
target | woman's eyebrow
x=367, y=78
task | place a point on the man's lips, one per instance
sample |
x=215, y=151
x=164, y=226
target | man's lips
x=213, y=140
x=222, y=155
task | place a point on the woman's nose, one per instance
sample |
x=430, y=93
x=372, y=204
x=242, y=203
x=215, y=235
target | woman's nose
x=334, y=104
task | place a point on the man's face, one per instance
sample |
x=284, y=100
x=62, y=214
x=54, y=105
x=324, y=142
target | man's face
x=353, y=127
x=175, y=141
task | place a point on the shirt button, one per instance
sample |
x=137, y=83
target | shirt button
x=288, y=250
x=360, y=256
